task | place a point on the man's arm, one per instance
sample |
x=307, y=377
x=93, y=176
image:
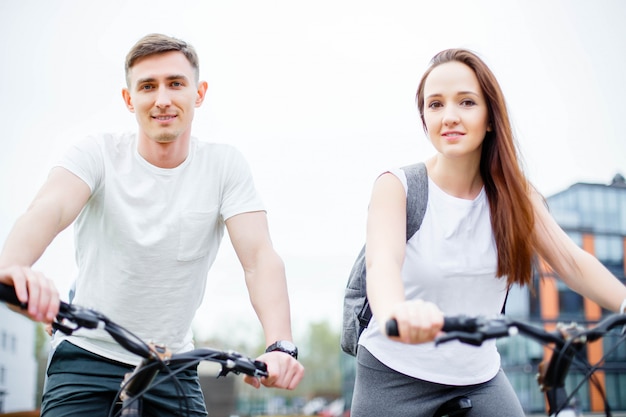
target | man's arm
x=267, y=286
x=56, y=205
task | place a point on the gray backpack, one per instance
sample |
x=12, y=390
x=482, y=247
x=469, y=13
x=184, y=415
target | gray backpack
x=356, y=309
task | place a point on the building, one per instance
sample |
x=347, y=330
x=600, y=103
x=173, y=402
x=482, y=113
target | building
x=18, y=362
x=594, y=216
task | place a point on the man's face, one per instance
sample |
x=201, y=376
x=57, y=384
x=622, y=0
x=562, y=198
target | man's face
x=163, y=94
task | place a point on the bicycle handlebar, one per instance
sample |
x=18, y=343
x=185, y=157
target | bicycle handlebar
x=467, y=325
x=450, y=323
x=7, y=294
x=86, y=318
x=475, y=330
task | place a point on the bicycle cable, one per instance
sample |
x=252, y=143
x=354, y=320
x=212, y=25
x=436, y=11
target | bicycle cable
x=590, y=374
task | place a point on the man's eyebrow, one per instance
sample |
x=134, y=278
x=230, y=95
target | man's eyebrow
x=169, y=78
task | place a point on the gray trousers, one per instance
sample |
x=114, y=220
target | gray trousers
x=381, y=391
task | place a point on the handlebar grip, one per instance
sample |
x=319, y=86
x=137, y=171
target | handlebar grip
x=7, y=294
x=392, y=327
x=261, y=366
x=450, y=324
x=459, y=323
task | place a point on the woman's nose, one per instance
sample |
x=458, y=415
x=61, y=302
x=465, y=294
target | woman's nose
x=450, y=116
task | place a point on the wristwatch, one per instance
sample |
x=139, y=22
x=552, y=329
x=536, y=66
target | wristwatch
x=284, y=346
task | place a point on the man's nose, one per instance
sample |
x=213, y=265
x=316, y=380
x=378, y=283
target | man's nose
x=163, y=98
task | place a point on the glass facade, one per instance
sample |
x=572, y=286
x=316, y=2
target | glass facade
x=594, y=216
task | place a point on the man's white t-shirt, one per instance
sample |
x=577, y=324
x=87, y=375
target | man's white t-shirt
x=450, y=261
x=147, y=236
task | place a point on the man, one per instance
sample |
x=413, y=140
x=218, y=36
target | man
x=150, y=211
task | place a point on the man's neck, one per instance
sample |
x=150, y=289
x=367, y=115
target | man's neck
x=164, y=154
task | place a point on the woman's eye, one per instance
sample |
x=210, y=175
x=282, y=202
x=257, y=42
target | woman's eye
x=468, y=102
x=434, y=105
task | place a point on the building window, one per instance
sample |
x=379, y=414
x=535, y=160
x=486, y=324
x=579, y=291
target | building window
x=570, y=303
x=610, y=251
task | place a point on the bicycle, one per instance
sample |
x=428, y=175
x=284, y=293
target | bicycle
x=567, y=342
x=155, y=358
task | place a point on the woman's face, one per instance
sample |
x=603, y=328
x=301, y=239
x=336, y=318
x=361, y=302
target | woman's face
x=455, y=110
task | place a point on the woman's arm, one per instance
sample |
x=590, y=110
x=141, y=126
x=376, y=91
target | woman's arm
x=418, y=321
x=580, y=270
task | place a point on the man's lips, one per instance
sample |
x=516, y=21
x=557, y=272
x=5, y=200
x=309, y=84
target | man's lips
x=164, y=118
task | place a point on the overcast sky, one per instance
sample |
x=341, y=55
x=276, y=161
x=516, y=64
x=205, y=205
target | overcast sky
x=319, y=96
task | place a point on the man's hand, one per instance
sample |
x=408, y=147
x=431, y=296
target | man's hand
x=284, y=372
x=34, y=289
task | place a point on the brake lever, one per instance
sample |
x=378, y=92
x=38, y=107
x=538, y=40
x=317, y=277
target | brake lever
x=81, y=318
x=474, y=339
x=63, y=328
x=477, y=338
x=243, y=364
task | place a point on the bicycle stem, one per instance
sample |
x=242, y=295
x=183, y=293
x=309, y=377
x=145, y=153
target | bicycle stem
x=553, y=371
x=141, y=377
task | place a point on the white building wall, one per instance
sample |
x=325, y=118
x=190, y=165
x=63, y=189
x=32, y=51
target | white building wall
x=18, y=364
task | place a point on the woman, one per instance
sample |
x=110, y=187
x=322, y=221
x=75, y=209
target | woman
x=483, y=228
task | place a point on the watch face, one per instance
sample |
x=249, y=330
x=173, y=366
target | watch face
x=284, y=346
x=287, y=345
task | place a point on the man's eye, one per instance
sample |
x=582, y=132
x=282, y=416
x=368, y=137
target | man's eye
x=177, y=84
x=146, y=87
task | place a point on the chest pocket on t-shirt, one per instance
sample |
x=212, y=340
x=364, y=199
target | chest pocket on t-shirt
x=197, y=234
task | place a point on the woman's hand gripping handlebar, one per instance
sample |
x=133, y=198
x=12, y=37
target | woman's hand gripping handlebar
x=469, y=330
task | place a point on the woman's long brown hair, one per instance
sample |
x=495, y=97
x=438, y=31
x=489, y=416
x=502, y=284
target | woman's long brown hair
x=512, y=215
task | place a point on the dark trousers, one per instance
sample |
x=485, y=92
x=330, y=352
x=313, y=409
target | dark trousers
x=81, y=383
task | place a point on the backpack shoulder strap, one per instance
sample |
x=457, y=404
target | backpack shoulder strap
x=416, y=198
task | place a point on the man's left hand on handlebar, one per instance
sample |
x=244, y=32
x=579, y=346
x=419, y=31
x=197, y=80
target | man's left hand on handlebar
x=284, y=372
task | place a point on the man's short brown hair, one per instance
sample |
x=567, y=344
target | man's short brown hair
x=157, y=43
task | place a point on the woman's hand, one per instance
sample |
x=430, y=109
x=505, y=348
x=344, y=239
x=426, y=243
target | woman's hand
x=418, y=321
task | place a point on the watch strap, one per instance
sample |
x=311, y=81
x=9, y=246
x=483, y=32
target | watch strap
x=283, y=346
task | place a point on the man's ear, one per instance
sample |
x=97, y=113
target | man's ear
x=128, y=100
x=203, y=86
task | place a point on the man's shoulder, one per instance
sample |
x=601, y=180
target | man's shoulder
x=108, y=140
x=217, y=150
x=213, y=146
